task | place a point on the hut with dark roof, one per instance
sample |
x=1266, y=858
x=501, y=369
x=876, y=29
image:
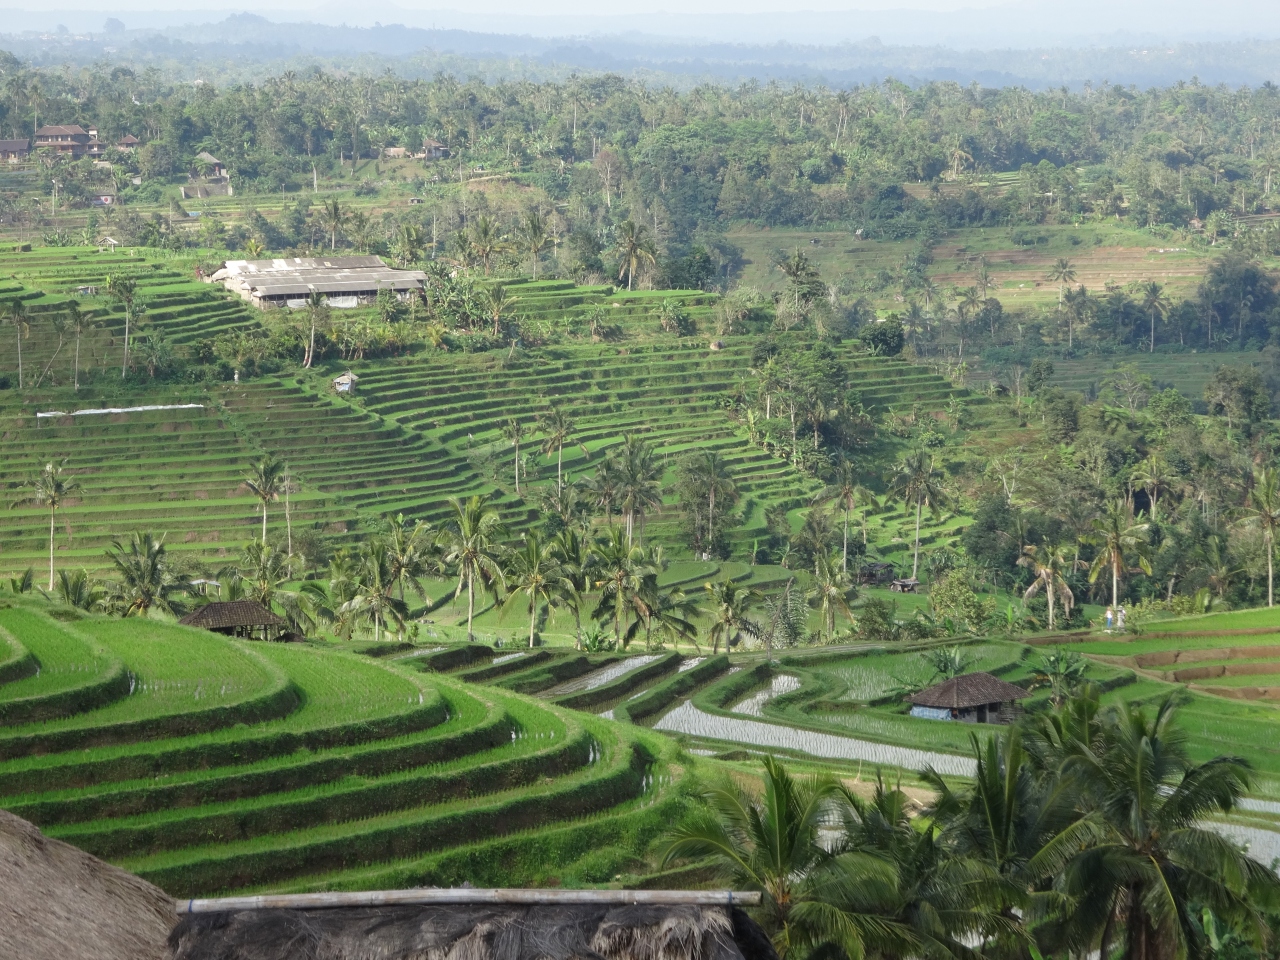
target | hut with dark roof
x=237, y=618
x=970, y=698
x=474, y=925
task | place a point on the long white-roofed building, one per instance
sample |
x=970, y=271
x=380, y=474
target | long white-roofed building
x=289, y=281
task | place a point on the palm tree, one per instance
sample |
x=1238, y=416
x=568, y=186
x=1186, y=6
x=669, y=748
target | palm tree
x=1048, y=563
x=471, y=547
x=318, y=318
x=513, y=430
x=48, y=489
x=534, y=237
x=410, y=550
x=1116, y=534
x=21, y=326
x=266, y=482
x=486, y=242
x=706, y=472
x=1154, y=301
x=1154, y=476
x=409, y=244
x=79, y=323
x=557, y=430
x=360, y=228
x=497, y=305
x=1144, y=855
x=636, y=248
x=636, y=475
x=332, y=217
x=371, y=597
x=832, y=591
x=730, y=603
x=124, y=289
x=146, y=578
x=1262, y=511
x=770, y=843
x=799, y=273
x=620, y=573
x=1062, y=273
x=785, y=618
x=535, y=571
x=845, y=488
x=916, y=480
x=79, y=591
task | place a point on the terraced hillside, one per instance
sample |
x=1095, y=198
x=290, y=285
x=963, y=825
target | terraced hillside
x=227, y=765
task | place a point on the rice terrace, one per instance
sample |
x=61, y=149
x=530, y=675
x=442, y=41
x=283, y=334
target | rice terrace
x=585, y=516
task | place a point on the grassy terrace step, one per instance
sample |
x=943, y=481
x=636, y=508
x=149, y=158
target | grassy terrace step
x=547, y=747
x=16, y=661
x=617, y=776
x=209, y=683
x=322, y=739
x=72, y=672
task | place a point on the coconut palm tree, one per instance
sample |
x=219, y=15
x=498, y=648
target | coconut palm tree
x=1155, y=477
x=729, y=603
x=1049, y=564
x=1144, y=854
x=1062, y=273
x=266, y=482
x=471, y=547
x=770, y=843
x=79, y=591
x=534, y=237
x=577, y=560
x=411, y=548
x=844, y=488
x=513, y=430
x=318, y=318
x=557, y=430
x=1262, y=511
x=785, y=619
x=705, y=472
x=916, y=480
x=372, y=597
x=636, y=248
x=497, y=305
x=1154, y=302
x=21, y=326
x=124, y=289
x=832, y=591
x=1116, y=535
x=48, y=489
x=486, y=242
x=146, y=579
x=332, y=217
x=79, y=323
x=620, y=573
x=636, y=473
x=535, y=571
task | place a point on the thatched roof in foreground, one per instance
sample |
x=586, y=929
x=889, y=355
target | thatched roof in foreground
x=58, y=902
x=474, y=932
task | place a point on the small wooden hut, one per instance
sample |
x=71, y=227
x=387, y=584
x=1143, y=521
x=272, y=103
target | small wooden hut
x=474, y=924
x=969, y=698
x=237, y=618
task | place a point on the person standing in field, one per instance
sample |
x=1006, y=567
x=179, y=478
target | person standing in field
x=1120, y=619
x=1110, y=617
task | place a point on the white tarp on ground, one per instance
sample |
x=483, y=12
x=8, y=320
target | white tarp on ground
x=87, y=413
x=344, y=303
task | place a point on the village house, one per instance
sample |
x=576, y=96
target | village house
x=70, y=140
x=434, y=150
x=128, y=143
x=15, y=150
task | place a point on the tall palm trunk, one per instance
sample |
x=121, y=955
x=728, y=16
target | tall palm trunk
x=52, y=513
x=1115, y=587
x=915, y=566
x=559, y=468
x=471, y=605
x=311, y=346
x=17, y=325
x=128, y=316
x=264, y=522
x=533, y=619
x=844, y=563
x=76, y=378
x=1270, y=572
x=1049, y=595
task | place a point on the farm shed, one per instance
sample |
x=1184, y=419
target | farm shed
x=434, y=150
x=969, y=698
x=345, y=382
x=56, y=902
x=876, y=572
x=236, y=618
x=475, y=924
x=345, y=281
x=14, y=150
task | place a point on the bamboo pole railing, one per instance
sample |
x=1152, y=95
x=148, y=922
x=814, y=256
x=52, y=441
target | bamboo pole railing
x=466, y=895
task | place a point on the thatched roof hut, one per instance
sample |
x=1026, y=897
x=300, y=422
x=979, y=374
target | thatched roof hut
x=556, y=929
x=235, y=618
x=57, y=901
x=971, y=697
